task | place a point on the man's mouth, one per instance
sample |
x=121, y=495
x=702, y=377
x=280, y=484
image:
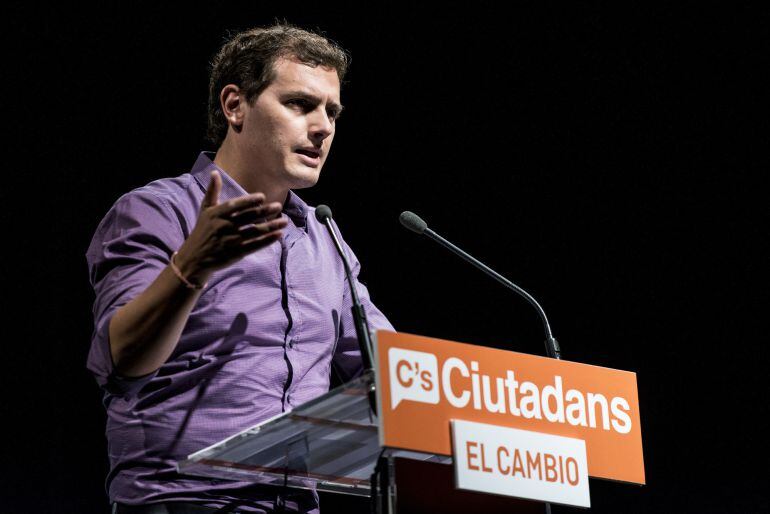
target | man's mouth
x=310, y=156
x=312, y=153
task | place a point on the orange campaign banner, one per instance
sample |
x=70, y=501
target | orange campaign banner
x=423, y=383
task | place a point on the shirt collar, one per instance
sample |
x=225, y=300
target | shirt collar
x=294, y=207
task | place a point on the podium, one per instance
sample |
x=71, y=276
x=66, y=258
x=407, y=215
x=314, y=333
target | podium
x=403, y=458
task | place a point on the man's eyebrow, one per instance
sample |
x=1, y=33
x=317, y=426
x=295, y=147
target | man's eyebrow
x=309, y=96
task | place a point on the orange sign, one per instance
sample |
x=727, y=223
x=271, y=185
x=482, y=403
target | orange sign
x=423, y=383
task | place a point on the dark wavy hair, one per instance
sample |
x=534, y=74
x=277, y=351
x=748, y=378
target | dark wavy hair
x=246, y=60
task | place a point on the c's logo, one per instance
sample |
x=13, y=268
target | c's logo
x=413, y=376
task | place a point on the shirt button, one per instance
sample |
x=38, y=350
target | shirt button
x=291, y=343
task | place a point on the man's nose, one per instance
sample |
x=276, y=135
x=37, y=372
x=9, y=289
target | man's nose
x=321, y=126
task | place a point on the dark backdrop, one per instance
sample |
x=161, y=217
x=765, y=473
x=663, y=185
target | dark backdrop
x=605, y=159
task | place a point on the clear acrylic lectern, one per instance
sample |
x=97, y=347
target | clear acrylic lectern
x=329, y=444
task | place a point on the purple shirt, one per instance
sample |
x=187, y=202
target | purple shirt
x=261, y=339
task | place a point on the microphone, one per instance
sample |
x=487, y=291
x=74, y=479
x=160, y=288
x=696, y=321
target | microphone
x=416, y=224
x=324, y=215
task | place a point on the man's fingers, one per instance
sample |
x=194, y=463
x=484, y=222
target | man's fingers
x=259, y=213
x=260, y=242
x=212, y=192
x=234, y=242
x=255, y=230
x=238, y=204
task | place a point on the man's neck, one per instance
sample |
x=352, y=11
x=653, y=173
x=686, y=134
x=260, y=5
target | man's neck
x=250, y=179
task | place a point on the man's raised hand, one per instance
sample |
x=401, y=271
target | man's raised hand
x=226, y=232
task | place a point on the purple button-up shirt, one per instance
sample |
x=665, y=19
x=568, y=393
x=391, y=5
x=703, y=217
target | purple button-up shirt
x=261, y=339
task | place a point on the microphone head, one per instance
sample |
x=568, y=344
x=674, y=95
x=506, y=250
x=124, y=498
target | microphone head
x=413, y=222
x=322, y=212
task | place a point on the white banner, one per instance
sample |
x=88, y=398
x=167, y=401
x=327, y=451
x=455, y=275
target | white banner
x=520, y=463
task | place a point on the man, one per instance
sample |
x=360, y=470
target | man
x=220, y=300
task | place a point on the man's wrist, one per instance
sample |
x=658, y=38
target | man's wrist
x=189, y=270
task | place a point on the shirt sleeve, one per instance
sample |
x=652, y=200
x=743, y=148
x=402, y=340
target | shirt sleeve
x=130, y=248
x=347, y=357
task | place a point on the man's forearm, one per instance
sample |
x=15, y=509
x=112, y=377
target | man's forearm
x=144, y=332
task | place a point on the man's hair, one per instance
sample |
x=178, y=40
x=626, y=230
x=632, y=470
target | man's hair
x=247, y=60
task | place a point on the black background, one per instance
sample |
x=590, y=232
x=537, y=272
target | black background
x=608, y=160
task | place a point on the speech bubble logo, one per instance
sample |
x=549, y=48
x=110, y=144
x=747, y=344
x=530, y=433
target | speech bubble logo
x=413, y=376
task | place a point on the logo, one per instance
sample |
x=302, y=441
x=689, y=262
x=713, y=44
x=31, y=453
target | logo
x=413, y=376
x=416, y=376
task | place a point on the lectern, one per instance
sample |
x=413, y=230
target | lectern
x=460, y=427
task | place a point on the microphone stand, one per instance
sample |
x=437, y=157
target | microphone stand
x=416, y=224
x=323, y=214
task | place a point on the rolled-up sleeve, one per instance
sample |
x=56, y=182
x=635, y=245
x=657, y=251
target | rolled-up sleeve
x=347, y=357
x=131, y=246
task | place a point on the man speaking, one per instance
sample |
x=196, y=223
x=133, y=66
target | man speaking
x=220, y=299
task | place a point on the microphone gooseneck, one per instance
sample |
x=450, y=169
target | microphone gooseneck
x=324, y=215
x=416, y=224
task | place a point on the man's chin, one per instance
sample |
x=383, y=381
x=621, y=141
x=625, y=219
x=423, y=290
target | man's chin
x=304, y=180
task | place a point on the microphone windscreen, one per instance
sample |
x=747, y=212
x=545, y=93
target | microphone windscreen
x=322, y=212
x=413, y=222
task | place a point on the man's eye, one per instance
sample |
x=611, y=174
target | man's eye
x=303, y=104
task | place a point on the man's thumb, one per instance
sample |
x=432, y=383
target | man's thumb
x=212, y=192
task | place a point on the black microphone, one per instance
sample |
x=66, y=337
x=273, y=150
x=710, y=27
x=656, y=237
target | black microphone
x=324, y=215
x=416, y=224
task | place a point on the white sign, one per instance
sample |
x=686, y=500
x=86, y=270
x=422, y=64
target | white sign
x=520, y=463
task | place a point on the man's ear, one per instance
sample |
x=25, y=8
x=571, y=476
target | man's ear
x=232, y=101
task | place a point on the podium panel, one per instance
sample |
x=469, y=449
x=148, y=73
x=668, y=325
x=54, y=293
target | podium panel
x=425, y=383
